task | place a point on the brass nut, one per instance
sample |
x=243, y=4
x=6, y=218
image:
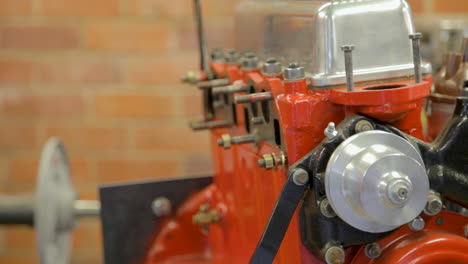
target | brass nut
x=225, y=141
x=269, y=161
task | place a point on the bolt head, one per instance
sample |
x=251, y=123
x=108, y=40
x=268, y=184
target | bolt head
x=161, y=206
x=326, y=208
x=271, y=67
x=300, y=177
x=294, y=72
x=434, y=205
x=335, y=255
x=347, y=47
x=417, y=224
x=416, y=35
x=363, y=125
x=372, y=250
x=330, y=132
x=399, y=191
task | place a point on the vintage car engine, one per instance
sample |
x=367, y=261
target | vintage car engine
x=319, y=151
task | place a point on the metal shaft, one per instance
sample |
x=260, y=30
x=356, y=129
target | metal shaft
x=83, y=208
x=252, y=98
x=201, y=38
x=16, y=210
x=213, y=83
x=415, y=39
x=348, y=56
x=243, y=139
x=210, y=124
x=230, y=89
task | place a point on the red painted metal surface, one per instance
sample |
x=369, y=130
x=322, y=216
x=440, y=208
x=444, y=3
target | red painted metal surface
x=441, y=241
x=245, y=194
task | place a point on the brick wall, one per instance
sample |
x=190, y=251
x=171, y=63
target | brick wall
x=103, y=75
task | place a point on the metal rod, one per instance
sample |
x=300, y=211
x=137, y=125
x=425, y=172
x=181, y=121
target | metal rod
x=348, y=56
x=230, y=89
x=16, y=210
x=415, y=39
x=213, y=83
x=252, y=98
x=83, y=208
x=211, y=124
x=243, y=139
x=201, y=38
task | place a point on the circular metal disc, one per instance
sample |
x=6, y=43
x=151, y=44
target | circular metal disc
x=373, y=216
x=53, y=212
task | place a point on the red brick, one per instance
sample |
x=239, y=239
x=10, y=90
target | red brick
x=15, y=7
x=38, y=37
x=124, y=37
x=19, y=257
x=94, y=138
x=20, y=237
x=43, y=106
x=198, y=165
x=78, y=71
x=172, y=138
x=114, y=171
x=451, y=6
x=417, y=6
x=14, y=136
x=15, y=72
x=80, y=8
x=134, y=106
x=162, y=70
x=23, y=170
x=193, y=106
x=218, y=35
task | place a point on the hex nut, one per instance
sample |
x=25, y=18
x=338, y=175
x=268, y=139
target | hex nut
x=269, y=161
x=434, y=204
x=225, y=141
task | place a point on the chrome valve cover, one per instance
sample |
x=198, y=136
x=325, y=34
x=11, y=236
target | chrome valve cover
x=376, y=181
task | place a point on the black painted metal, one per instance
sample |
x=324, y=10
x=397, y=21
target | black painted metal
x=128, y=222
x=278, y=223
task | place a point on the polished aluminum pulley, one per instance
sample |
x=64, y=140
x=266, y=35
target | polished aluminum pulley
x=376, y=181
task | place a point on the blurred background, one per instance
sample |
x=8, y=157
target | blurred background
x=104, y=76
